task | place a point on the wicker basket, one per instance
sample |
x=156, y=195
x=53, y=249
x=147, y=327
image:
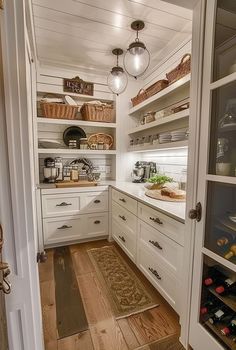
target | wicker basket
x=181, y=70
x=58, y=110
x=97, y=113
x=150, y=91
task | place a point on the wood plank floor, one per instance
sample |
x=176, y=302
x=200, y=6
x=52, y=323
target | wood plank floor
x=155, y=329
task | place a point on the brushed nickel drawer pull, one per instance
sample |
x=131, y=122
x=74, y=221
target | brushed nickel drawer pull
x=122, y=217
x=156, y=220
x=155, y=273
x=122, y=238
x=63, y=204
x=97, y=222
x=64, y=227
x=122, y=200
x=97, y=201
x=156, y=244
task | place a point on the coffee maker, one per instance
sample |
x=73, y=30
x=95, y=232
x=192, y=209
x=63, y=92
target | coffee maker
x=143, y=170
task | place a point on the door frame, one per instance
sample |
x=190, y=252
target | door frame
x=23, y=306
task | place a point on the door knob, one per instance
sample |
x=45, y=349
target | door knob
x=196, y=214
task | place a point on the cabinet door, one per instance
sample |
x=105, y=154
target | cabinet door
x=214, y=278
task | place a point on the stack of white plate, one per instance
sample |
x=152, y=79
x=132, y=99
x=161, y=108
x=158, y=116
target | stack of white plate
x=178, y=135
x=165, y=137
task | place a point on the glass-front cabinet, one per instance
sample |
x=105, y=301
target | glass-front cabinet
x=213, y=312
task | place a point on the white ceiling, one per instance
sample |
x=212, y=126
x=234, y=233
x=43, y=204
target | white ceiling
x=82, y=33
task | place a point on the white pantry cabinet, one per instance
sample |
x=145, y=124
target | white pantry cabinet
x=74, y=216
x=215, y=237
x=153, y=241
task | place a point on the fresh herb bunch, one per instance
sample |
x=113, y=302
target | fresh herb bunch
x=160, y=179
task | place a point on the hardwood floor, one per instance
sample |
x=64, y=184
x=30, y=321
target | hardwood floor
x=155, y=329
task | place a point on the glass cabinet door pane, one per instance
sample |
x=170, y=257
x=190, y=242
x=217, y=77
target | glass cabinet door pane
x=222, y=158
x=225, y=39
x=220, y=230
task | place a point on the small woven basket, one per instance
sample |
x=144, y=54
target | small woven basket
x=150, y=91
x=58, y=110
x=97, y=113
x=181, y=70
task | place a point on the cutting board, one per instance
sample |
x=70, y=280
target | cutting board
x=83, y=183
x=155, y=194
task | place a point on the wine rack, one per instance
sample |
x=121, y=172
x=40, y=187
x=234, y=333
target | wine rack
x=228, y=341
x=225, y=302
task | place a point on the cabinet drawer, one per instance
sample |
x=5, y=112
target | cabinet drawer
x=170, y=227
x=125, y=238
x=161, y=279
x=60, y=205
x=124, y=217
x=96, y=225
x=64, y=229
x=93, y=202
x=170, y=252
x=125, y=201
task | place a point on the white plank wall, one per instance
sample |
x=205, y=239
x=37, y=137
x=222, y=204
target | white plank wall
x=173, y=163
x=169, y=63
x=103, y=163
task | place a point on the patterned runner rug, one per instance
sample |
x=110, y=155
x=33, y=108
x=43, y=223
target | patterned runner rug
x=125, y=291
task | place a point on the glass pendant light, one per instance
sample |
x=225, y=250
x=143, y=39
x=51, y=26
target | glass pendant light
x=137, y=57
x=117, y=79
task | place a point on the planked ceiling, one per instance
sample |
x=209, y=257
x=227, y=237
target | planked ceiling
x=82, y=33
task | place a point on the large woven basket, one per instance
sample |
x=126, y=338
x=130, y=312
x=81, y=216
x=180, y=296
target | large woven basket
x=181, y=70
x=97, y=113
x=58, y=110
x=150, y=91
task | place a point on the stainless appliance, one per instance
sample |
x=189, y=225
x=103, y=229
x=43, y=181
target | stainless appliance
x=50, y=172
x=143, y=170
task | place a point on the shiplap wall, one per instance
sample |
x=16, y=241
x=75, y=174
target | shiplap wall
x=170, y=162
x=103, y=163
x=173, y=163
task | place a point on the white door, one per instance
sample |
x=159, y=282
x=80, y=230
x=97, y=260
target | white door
x=216, y=231
x=16, y=201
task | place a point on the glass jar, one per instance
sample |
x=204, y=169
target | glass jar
x=155, y=139
x=59, y=165
x=74, y=173
x=83, y=143
x=66, y=172
x=100, y=145
x=73, y=144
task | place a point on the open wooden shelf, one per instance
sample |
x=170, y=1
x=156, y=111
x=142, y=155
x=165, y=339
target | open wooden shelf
x=226, y=340
x=230, y=301
x=75, y=151
x=181, y=83
x=162, y=121
x=75, y=122
x=156, y=147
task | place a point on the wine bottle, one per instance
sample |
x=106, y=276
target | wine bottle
x=230, y=329
x=209, y=306
x=220, y=315
x=226, y=286
x=213, y=276
x=231, y=253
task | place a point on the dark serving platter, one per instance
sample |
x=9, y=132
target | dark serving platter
x=73, y=133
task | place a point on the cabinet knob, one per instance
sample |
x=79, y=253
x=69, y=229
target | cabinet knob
x=97, y=222
x=122, y=238
x=156, y=220
x=196, y=214
x=97, y=201
x=63, y=204
x=64, y=227
x=155, y=273
x=122, y=217
x=122, y=200
x=156, y=244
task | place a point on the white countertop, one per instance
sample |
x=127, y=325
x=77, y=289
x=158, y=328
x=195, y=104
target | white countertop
x=135, y=190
